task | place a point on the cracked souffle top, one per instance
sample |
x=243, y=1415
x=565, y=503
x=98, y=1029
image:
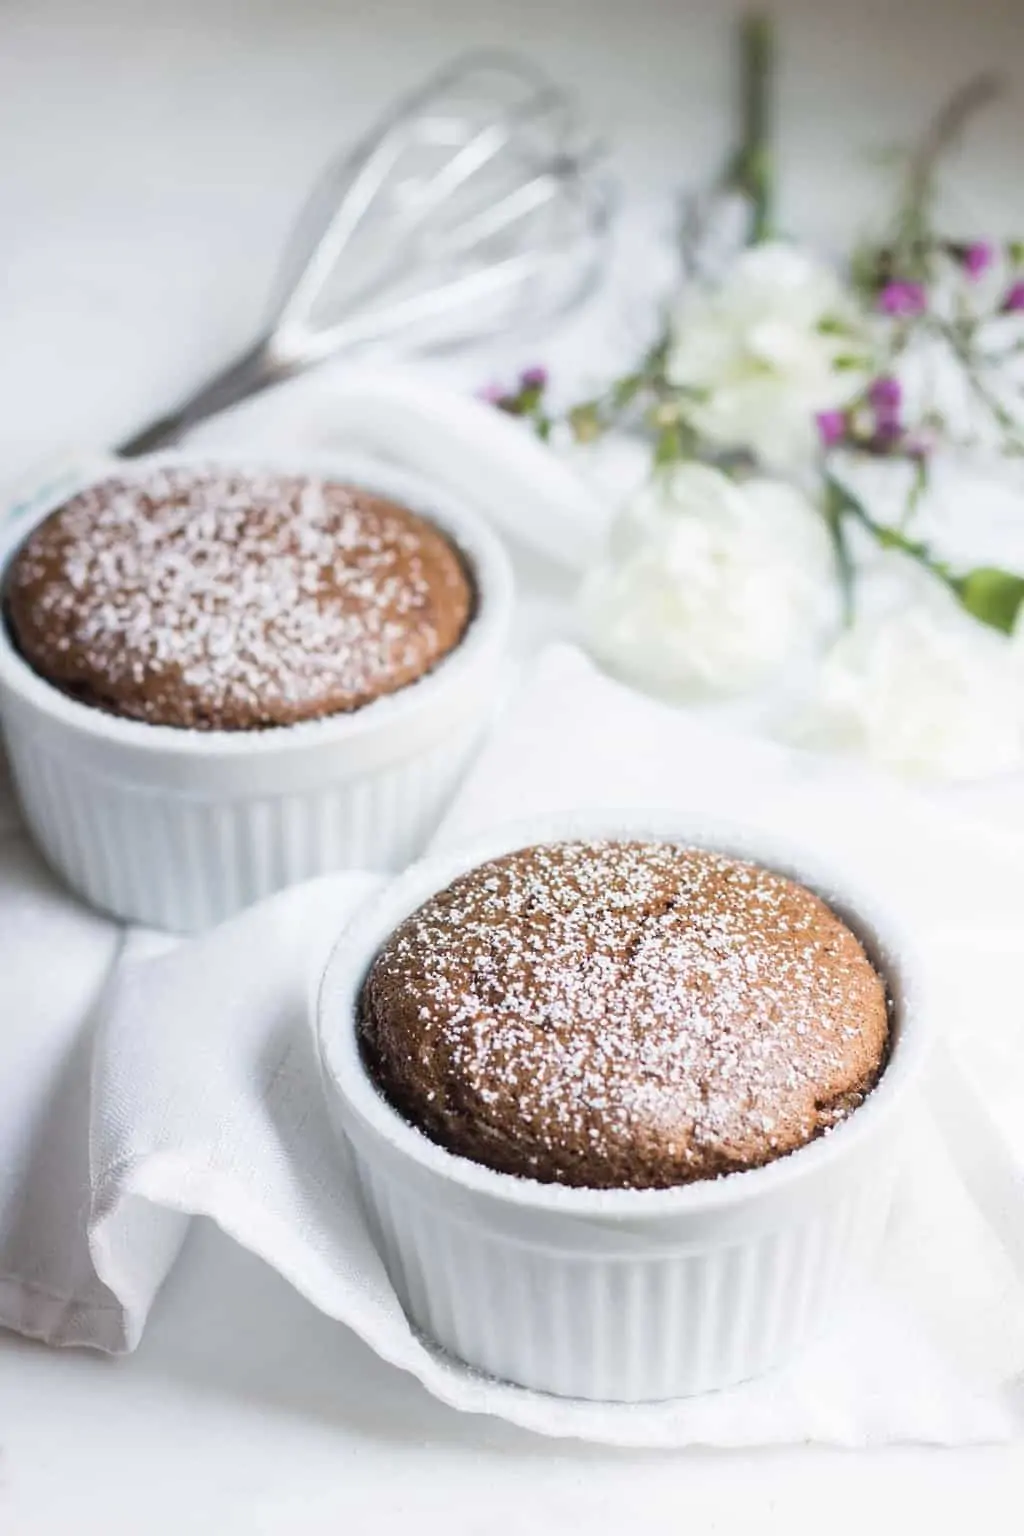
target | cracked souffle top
x=220, y=600
x=623, y=1015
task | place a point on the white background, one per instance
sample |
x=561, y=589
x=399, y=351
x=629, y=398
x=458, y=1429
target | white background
x=151, y=156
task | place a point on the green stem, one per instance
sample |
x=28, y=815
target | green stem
x=843, y=501
x=834, y=507
x=1013, y=445
x=627, y=398
x=912, y=242
x=992, y=596
x=751, y=170
x=918, y=487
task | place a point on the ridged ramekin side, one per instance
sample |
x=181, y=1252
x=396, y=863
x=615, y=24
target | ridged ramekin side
x=612, y=1326
x=185, y=861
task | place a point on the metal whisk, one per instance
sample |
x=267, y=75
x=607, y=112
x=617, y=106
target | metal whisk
x=477, y=205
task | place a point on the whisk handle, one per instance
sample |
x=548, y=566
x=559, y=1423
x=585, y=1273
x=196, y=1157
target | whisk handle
x=248, y=375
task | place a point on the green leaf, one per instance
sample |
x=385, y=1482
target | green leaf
x=991, y=595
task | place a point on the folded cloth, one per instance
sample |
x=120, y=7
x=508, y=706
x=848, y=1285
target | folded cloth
x=205, y=1096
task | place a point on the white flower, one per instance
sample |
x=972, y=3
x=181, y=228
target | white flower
x=921, y=687
x=762, y=353
x=709, y=586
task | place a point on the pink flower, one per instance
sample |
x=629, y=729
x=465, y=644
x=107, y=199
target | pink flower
x=977, y=258
x=886, y=397
x=831, y=427
x=491, y=394
x=888, y=435
x=902, y=299
x=1014, y=299
x=533, y=378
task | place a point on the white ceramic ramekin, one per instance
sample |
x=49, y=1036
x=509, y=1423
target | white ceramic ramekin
x=620, y=1295
x=178, y=829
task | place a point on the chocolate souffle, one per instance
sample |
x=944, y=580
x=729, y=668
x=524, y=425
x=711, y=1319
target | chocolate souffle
x=623, y=1015
x=213, y=599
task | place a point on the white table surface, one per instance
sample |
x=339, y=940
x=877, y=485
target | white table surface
x=152, y=155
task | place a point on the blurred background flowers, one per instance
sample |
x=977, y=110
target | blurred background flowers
x=905, y=355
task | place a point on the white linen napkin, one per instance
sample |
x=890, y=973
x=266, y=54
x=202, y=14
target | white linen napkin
x=143, y=1081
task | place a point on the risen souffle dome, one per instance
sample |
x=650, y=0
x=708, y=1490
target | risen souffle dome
x=218, y=600
x=623, y=1014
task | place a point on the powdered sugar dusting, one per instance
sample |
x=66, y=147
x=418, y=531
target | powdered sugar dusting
x=214, y=598
x=624, y=1014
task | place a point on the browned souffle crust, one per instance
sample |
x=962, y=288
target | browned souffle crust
x=623, y=1015
x=213, y=599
